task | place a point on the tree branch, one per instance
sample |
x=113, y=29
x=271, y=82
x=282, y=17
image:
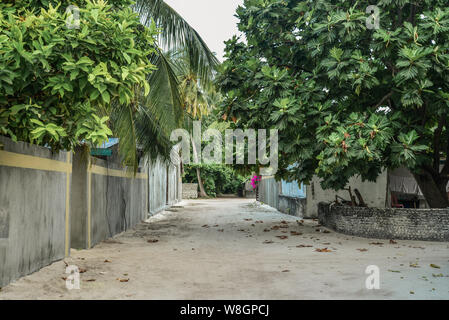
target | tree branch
x=387, y=96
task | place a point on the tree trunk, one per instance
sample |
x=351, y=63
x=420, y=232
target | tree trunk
x=203, y=193
x=434, y=191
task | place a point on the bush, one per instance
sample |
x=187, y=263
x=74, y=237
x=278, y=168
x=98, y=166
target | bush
x=59, y=84
x=217, y=179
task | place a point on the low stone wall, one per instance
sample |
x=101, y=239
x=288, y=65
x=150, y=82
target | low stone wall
x=390, y=223
x=292, y=205
x=190, y=190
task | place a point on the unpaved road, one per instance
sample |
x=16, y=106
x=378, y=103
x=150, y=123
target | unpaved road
x=236, y=249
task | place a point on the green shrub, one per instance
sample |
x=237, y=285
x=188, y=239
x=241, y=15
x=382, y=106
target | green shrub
x=57, y=84
x=217, y=179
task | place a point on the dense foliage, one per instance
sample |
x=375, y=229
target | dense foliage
x=57, y=84
x=217, y=179
x=347, y=100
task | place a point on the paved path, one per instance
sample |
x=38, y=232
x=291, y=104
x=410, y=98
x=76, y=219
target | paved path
x=236, y=249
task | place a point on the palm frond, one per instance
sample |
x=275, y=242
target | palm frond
x=177, y=34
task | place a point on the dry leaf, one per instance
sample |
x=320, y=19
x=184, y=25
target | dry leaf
x=91, y=280
x=82, y=270
x=295, y=233
x=107, y=260
x=282, y=237
x=304, y=246
x=393, y=242
x=362, y=250
x=434, y=266
x=286, y=271
x=124, y=280
x=268, y=241
x=152, y=241
x=377, y=243
x=266, y=230
x=323, y=250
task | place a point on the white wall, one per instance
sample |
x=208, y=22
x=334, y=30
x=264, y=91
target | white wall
x=374, y=194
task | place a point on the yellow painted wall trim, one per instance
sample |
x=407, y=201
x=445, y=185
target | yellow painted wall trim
x=18, y=160
x=116, y=173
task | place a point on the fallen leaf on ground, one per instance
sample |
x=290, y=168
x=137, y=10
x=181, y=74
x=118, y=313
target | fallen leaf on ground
x=123, y=280
x=362, y=250
x=396, y=271
x=107, y=261
x=284, y=226
x=434, y=266
x=275, y=228
x=266, y=230
x=286, y=271
x=248, y=219
x=284, y=222
x=220, y=230
x=393, y=242
x=304, y=246
x=414, y=265
x=91, y=280
x=152, y=241
x=82, y=270
x=377, y=243
x=64, y=278
x=205, y=226
x=268, y=241
x=282, y=237
x=323, y=250
x=216, y=226
x=295, y=233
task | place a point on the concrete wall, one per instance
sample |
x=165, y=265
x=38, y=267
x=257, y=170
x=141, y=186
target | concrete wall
x=374, y=194
x=190, y=190
x=387, y=223
x=269, y=191
x=34, y=188
x=106, y=199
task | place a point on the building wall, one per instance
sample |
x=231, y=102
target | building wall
x=34, y=194
x=107, y=199
x=387, y=223
x=373, y=193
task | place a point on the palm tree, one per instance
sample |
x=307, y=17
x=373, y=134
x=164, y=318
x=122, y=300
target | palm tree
x=148, y=128
x=198, y=97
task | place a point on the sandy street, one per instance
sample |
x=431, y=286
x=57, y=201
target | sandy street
x=237, y=249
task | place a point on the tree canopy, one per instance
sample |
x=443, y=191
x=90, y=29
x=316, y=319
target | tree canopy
x=348, y=98
x=57, y=84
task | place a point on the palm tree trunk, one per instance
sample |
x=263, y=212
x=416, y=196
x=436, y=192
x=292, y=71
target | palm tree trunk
x=203, y=193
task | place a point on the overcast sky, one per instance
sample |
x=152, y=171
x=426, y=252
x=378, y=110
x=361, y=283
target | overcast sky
x=213, y=19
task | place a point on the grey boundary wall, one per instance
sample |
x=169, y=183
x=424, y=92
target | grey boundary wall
x=269, y=194
x=389, y=223
x=114, y=199
x=32, y=208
